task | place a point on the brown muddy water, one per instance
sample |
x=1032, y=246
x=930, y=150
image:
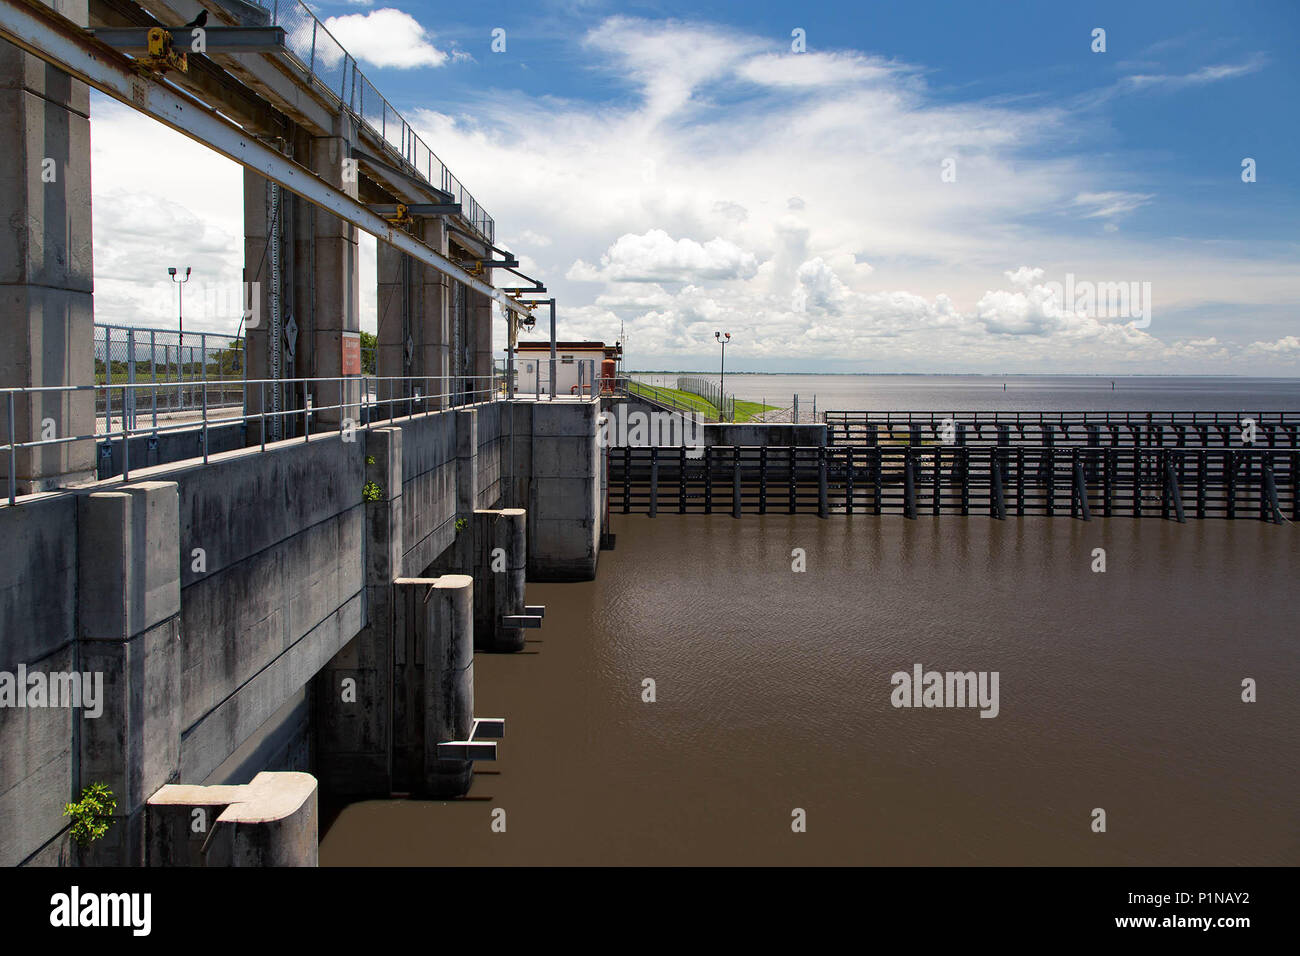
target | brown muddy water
x=1119, y=690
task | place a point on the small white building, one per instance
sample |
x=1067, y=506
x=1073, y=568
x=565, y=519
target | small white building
x=533, y=367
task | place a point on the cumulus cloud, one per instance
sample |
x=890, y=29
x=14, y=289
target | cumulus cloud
x=709, y=178
x=384, y=38
x=657, y=257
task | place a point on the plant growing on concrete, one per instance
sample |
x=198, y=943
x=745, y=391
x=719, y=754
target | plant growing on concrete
x=370, y=459
x=92, y=814
x=461, y=525
x=371, y=492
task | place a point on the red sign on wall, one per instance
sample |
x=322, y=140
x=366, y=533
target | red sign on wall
x=351, y=353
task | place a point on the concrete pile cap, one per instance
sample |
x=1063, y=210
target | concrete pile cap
x=269, y=797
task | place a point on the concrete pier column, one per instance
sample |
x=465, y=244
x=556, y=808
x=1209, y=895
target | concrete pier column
x=353, y=692
x=500, y=568
x=128, y=568
x=466, y=485
x=335, y=300
x=46, y=337
x=269, y=228
x=434, y=682
x=481, y=309
x=413, y=331
x=271, y=821
x=564, y=509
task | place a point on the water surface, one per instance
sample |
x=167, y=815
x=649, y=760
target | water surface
x=1119, y=690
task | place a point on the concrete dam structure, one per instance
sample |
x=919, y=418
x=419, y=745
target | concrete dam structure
x=258, y=612
x=215, y=613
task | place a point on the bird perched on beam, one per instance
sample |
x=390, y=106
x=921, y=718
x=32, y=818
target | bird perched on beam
x=200, y=21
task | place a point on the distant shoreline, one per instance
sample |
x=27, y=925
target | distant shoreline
x=998, y=375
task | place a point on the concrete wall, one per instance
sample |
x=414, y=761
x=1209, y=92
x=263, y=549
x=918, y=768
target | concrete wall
x=168, y=447
x=38, y=615
x=225, y=602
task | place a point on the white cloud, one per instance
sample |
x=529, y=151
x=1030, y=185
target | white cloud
x=385, y=38
x=1113, y=203
x=1201, y=77
x=657, y=257
x=708, y=197
x=815, y=69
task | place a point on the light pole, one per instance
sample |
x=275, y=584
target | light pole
x=180, y=314
x=723, y=338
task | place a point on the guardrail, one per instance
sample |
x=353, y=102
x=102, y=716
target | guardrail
x=325, y=60
x=406, y=397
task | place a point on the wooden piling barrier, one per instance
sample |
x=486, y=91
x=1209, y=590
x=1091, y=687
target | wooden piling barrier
x=1080, y=490
x=708, y=481
x=823, y=506
x=793, y=464
x=654, y=482
x=997, y=503
x=681, y=481
x=627, y=479
x=909, y=485
x=735, y=481
x=1173, y=490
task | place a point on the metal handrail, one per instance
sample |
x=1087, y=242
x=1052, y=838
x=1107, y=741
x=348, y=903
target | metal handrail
x=353, y=92
x=456, y=395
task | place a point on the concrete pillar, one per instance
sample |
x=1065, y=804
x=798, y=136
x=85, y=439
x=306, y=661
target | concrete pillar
x=336, y=279
x=128, y=576
x=500, y=569
x=46, y=334
x=266, y=221
x=413, y=330
x=481, y=326
x=353, y=692
x=271, y=821
x=564, y=510
x=433, y=682
x=466, y=484
x=319, y=288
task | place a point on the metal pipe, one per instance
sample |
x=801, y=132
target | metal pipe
x=13, y=454
x=552, y=305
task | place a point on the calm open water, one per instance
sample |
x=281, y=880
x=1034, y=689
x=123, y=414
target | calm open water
x=960, y=393
x=1119, y=690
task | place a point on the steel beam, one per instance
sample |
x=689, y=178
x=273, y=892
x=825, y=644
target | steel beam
x=216, y=39
x=389, y=209
x=36, y=28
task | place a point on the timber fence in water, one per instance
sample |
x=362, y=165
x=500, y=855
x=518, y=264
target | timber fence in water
x=998, y=481
x=1135, y=429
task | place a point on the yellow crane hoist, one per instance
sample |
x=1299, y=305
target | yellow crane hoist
x=162, y=56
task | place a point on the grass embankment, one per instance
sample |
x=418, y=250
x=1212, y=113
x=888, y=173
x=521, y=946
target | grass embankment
x=745, y=411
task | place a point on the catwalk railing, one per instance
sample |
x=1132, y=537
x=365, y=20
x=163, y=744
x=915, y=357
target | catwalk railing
x=335, y=71
x=1020, y=481
x=1151, y=429
x=364, y=402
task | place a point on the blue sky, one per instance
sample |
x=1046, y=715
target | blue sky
x=914, y=191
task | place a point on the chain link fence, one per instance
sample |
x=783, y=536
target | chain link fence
x=725, y=404
x=186, y=373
